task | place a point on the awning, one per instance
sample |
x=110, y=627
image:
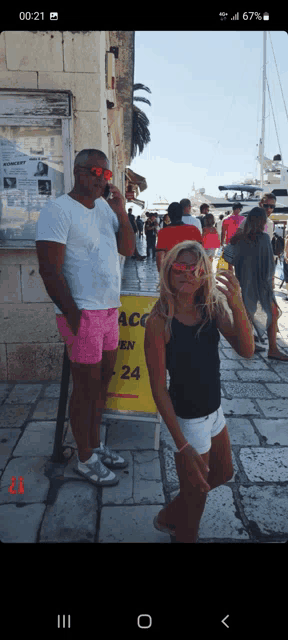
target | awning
x=134, y=178
x=140, y=203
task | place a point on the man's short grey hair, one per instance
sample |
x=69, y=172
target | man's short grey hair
x=185, y=203
x=84, y=155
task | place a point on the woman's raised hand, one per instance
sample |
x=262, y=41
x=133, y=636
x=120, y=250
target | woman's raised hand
x=233, y=290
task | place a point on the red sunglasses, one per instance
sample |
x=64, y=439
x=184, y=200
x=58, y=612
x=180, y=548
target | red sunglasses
x=97, y=171
x=181, y=268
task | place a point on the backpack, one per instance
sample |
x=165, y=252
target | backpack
x=277, y=244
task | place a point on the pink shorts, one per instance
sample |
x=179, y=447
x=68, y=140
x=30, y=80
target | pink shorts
x=98, y=331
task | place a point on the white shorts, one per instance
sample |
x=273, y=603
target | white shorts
x=199, y=431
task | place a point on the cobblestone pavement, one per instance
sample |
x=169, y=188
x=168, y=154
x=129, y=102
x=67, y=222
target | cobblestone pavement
x=57, y=506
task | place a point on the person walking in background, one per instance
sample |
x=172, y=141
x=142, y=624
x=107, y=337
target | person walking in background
x=211, y=240
x=254, y=266
x=78, y=238
x=286, y=262
x=166, y=221
x=182, y=335
x=204, y=209
x=175, y=233
x=219, y=225
x=136, y=255
x=219, y=231
x=140, y=225
x=231, y=224
x=187, y=217
x=151, y=230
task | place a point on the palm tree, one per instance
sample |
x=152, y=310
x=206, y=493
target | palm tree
x=140, y=131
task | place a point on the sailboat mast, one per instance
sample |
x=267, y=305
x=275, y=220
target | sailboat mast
x=263, y=105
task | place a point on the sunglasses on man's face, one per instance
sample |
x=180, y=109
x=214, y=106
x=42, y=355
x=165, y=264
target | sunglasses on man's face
x=269, y=206
x=97, y=171
x=179, y=268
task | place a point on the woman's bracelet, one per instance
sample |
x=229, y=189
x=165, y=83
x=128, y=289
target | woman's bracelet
x=185, y=445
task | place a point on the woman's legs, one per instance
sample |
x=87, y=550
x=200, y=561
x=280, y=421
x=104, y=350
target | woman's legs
x=219, y=461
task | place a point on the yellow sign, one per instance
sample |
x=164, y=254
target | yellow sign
x=129, y=388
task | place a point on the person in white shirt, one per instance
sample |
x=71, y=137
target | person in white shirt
x=187, y=218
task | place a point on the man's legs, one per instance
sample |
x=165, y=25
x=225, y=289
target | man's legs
x=86, y=386
x=88, y=399
x=100, y=396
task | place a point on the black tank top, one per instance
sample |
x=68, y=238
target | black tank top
x=194, y=368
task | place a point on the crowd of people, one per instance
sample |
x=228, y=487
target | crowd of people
x=79, y=237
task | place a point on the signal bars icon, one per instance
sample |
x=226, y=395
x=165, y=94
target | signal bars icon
x=63, y=626
x=236, y=17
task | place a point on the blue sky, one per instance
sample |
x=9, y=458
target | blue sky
x=206, y=113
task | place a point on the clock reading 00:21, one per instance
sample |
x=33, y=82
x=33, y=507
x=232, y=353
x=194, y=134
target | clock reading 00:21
x=28, y=15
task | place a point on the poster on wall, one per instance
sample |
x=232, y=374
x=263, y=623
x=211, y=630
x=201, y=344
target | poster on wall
x=31, y=172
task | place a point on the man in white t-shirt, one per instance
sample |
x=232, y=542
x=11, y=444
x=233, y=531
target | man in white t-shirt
x=187, y=218
x=78, y=238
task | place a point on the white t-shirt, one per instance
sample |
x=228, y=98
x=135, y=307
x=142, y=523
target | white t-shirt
x=91, y=265
x=188, y=219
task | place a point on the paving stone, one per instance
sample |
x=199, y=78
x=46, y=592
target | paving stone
x=38, y=439
x=242, y=407
x=280, y=390
x=265, y=465
x=130, y=434
x=35, y=483
x=228, y=375
x=72, y=517
x=260, y=375
x=8, y=439
x=5, y=389
x=24, y=394
x=275, y=431
x=12, y=417
x=266, y=509
x=47, y=409
x=252, y=390
x=280, y=368
x=20, y=524
x=53, y=390
x=229, y=365
x=254, y=364
x=232, y=355
x=131, y=524
x=220, y=519
x=274, y=408
x=241, y=431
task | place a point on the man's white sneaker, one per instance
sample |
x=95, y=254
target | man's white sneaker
x=96, y=472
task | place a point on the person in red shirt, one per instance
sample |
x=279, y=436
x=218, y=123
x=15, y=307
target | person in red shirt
x=174, y=234
x=231, y=224
x=211, y=240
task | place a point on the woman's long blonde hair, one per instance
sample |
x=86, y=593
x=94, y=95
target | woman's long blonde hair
x=208, y=299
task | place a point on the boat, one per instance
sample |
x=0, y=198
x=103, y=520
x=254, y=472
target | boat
x=273, y=176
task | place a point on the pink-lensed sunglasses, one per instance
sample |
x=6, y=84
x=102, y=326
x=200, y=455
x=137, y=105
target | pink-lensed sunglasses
x=183, y=268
